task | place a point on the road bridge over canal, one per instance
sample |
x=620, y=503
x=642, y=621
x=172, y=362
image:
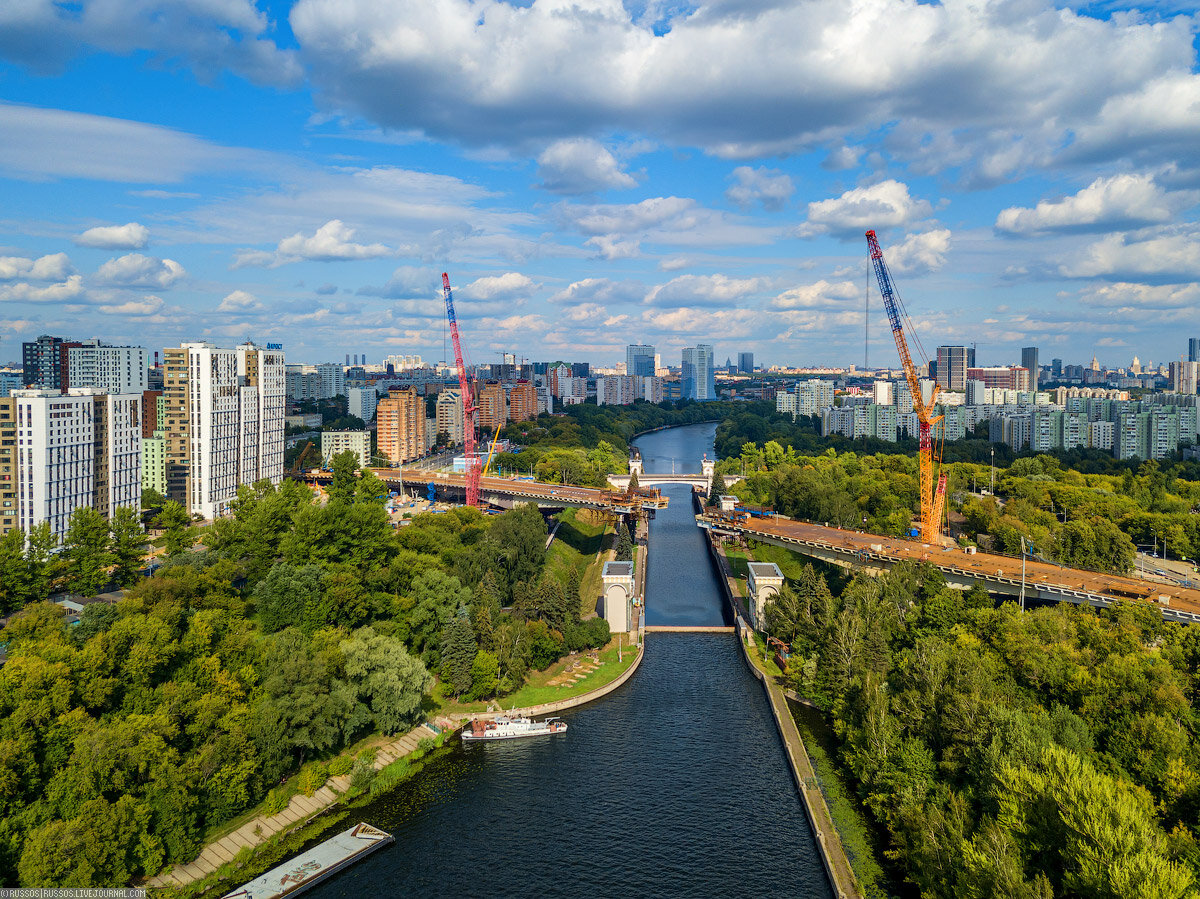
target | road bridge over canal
x=1000, y=574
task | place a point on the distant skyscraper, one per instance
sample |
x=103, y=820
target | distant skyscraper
x=1194, y=349
x=746, y=363
x=1029, y=361
x=44, y=363
x=952, y=364
x=697, y=378
x=1056, y=367
x=639, y=361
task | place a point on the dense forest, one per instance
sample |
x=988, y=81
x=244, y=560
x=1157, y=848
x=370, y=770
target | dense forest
x=1037, y=754
x=294, y=629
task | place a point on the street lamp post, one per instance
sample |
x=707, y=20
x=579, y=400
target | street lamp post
x=993, y=487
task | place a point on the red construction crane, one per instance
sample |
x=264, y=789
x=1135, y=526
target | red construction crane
x=468, y=400
x=933, y=500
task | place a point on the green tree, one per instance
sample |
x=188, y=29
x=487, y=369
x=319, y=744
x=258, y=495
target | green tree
x=14, y=572
x=152, y=499
x=634, y=482
x=389, y=680
x=716, y=489
x=40, y=561
x=177, y=525
x=289, y=595
x=458, y=649
x=485, y=670
x=128, y=546
x=436, y=597
x=343, y=484
x=86, y=551
x=303, y=706
x=624, y=544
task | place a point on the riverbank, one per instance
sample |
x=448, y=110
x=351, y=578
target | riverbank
x=221, y=860
x=829, y=844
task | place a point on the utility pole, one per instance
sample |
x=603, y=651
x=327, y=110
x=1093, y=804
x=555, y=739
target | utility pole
x=1022, y=574
x=993, y=471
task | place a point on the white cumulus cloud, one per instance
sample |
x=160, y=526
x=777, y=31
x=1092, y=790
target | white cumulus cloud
x=53, y=267
x=332, y=242
x=510, y=285
x=770, y=187
x=883, y=205
x=1164, y=258
x=131, y=236
x=580, y=166
x=821, y=294
x=919, y=254
x=703, y=290
x=1119, y=201
x=137, y=270
x=63, y=292
x=240, y=301
x=147, y=305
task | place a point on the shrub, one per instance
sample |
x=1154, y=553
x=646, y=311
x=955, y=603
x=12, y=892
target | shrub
x=340, y=765
x=425, y=744
x=362, y=777
x=312, y=778
x=277, y=800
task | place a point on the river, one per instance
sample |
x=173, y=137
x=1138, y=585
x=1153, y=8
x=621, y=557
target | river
x=674, y=785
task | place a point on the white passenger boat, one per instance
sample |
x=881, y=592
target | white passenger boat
x=480, y=729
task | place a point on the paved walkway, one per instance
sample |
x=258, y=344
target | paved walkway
x=300, y=810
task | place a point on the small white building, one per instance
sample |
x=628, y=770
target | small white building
x=618, y=595
x=765, y=580
x=335, y=442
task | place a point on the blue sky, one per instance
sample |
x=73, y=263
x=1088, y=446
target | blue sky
x=593, y=173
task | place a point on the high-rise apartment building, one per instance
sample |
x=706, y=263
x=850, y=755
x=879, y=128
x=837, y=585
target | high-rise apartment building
x=44, y=362
x=113, y=369
x=262, y=403
x=55, y=457
x=617, y=390
x=1194, y=349
x=332, y=380
x=1029, y=362
x=639, y=361
x=9, y=501
x=80, y=449
x=1011, y=377
x=746, y=363
x=952, y=365
x=1185, y=377
x=697, y=376
x=154, y=462
x=493, y=408
x=522, y=401
x=1056, y=367
x=150, y=409
x=449, y=410
x=362, y=402
x=222, y=421
x=116, y=449
x=400, y=425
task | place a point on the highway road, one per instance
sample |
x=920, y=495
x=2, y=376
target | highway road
x=985, y=564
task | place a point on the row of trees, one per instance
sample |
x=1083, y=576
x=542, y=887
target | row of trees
x=1050, y=753
x=294, y=629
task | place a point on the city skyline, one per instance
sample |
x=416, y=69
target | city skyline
x=237, y=172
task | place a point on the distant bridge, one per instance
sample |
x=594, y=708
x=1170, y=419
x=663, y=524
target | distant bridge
x=699, y=481
x=507, y=492
x=999, y=574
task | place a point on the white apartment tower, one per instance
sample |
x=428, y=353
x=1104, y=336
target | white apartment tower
x=450, y=415
x=224, y=422
x=361, y=402
x=114, y=369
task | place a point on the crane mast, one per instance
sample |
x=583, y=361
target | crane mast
x=468, y=400
x=932, y=499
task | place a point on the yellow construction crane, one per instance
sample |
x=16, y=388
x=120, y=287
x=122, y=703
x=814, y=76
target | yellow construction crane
x=491, y=449
x=933, y=499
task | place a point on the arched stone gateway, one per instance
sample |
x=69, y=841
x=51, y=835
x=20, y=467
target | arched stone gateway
x=617, y=578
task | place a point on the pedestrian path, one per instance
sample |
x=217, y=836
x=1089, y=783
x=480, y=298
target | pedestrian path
x=300, y=810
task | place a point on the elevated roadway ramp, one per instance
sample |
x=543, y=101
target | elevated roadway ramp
x=999, y=574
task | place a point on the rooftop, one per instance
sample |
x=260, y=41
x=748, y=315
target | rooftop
x=764, y=569
x=618, y=569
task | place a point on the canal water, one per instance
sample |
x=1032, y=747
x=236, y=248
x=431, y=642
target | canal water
x=674, y=785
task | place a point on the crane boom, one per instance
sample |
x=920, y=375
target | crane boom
x=933, y=498
x=468, y=400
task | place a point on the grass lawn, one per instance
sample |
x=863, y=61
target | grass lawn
x=576, y=544
x=538, y=691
